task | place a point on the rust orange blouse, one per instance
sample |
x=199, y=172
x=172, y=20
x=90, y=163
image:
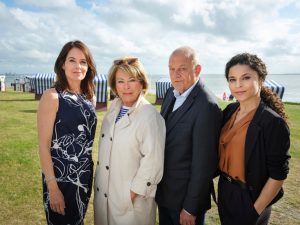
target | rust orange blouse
x=232, y=146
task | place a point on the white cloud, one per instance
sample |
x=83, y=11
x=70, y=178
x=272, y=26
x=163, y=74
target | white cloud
x=29, y=22
x=33, y=31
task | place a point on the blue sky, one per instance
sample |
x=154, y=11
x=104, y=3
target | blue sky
x=33, y=32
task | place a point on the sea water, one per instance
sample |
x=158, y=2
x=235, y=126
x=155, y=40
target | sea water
x=216, y=83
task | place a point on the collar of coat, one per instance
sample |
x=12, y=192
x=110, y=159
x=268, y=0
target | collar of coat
x=117, y=104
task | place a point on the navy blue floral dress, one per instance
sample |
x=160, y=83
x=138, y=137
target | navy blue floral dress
x=71, y=152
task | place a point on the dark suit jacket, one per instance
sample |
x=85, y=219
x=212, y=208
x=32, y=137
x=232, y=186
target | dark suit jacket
x=266, y=148
x=191, y=151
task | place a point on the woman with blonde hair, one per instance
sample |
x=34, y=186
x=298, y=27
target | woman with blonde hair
x=131, y=151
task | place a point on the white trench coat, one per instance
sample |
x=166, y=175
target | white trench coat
x=131, y=156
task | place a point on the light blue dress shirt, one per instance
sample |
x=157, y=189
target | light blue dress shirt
x=180, y=98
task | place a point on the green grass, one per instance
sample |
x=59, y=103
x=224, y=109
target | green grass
x=20, y=174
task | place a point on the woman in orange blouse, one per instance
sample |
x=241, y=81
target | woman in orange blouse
x=254, y=144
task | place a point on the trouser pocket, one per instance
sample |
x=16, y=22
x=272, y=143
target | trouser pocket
x=235, y=205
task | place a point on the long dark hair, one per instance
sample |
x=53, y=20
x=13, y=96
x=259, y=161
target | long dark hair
x=255, y=63
x=87, y=84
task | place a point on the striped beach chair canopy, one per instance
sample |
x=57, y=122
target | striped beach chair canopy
x=162, y=85
x=101, y=88
x=275, y=86
x=31, y=81
x=43, y=81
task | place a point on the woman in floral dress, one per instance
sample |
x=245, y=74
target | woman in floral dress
x=66, y=127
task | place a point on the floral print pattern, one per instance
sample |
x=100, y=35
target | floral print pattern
x=71, y=152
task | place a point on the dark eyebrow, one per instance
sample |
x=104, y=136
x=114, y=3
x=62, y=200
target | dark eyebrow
x=246, y=74
x=71, y=57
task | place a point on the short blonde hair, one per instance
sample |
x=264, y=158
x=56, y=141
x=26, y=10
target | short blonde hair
x=131, y=66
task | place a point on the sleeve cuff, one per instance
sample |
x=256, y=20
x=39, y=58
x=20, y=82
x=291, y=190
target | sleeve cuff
x=187, y=212
x=144, y=188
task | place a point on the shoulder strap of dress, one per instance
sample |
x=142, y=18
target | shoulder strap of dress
x=58, y=92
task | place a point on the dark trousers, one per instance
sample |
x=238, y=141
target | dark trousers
x=236, y=207
x=172, y=217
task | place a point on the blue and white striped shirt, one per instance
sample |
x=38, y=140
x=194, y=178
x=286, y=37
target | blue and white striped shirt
x=123, y=111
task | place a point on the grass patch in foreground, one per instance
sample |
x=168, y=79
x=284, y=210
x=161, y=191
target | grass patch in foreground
x=20, y=174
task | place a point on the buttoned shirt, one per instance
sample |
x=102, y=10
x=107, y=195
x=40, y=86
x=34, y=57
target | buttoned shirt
x=180, y=98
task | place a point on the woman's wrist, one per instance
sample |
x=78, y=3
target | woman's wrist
x=49, y=179
x=52, y=186
x=258, y=209
x=51, y=182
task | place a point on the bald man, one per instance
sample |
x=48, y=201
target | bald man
x=193, y=121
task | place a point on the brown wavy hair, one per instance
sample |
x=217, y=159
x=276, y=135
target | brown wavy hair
x=255, y=63
x=87, y=84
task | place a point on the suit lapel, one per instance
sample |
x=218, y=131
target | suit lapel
x=253, y=133
x=167, y=104
x=181, y=111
